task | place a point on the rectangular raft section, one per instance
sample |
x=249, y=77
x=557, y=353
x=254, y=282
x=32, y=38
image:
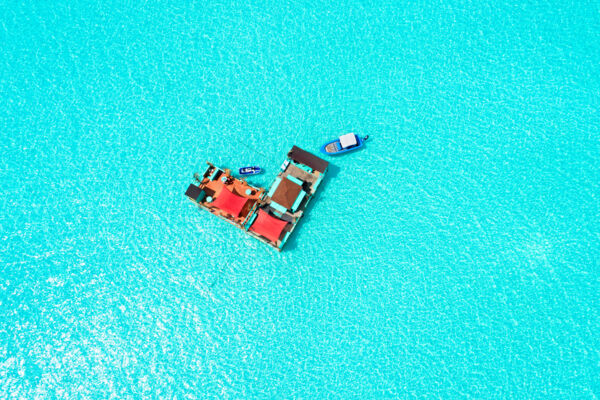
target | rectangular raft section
x=281, y=208
x=219, y=193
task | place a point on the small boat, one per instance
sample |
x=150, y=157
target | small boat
x=250, y=170
x=343, y=144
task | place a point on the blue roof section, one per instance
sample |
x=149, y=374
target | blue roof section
x=295, y=180
x=274, y=187
x=278, y=207
x=296, y=204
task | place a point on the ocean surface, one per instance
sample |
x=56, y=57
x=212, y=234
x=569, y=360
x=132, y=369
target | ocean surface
x=455, y=257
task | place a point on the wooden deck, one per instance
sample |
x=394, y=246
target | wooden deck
x=300, y=174
x=237, y=186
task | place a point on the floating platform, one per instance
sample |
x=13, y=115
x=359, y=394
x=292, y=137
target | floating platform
x=267, y=215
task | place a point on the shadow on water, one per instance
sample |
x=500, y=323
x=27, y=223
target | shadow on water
x=292, y=243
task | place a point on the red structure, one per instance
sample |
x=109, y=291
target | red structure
x=230, y=203
x=268, y=226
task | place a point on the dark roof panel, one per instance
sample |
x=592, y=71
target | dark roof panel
x=306, y=158
x=193, y=192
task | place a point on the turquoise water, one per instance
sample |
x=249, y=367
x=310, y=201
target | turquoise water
x=455, y=257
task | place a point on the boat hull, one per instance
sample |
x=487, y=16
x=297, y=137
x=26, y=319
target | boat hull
x=250, y=170
x=333, y=148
